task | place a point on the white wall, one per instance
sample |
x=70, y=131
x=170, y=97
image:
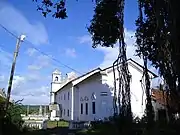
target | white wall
x=137, y=95
x=85, y=89
x=55, y=86
x=104, y=104
x=65, y=102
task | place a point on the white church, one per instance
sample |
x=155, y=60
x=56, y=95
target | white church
x=90, y=96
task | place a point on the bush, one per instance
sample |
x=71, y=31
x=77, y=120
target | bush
x=12, y=122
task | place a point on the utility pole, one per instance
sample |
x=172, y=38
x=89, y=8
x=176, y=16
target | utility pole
x=19, y=40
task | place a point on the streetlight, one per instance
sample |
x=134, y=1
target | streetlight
x=22, y=37
x=19, y=40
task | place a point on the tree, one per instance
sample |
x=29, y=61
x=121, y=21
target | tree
x=12, y=119
x=159, y=35
x=57, y=9
x=107, y=29
x=143, y=54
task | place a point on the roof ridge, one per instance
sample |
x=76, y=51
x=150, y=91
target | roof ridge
x=130, y=59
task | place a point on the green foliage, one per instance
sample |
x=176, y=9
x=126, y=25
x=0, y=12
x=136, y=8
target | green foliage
x=14, y=114
x=155, y=33
x=157, y=39
x=58, y=8
x=12, y=120
x=105, y=24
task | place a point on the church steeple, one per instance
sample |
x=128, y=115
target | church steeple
x=56, y=80
x=55, y=84
x=56, y=76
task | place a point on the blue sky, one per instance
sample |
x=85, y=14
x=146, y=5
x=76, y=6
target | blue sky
x=65, y=40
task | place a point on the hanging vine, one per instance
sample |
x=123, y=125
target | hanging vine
x=124, y=80
x=107, y=29
x=145, y=77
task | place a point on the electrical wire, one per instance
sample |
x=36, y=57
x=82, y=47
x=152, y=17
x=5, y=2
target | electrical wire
x=29, y=43
x=8, y=31
x=33, y=46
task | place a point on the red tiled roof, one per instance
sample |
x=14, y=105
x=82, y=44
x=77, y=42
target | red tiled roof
x=162, y=97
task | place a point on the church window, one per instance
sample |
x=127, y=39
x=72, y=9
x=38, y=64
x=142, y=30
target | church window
x=64, y=96
x=93, y=107
x=56, y=78
x=64, y=112
x=68, y=112
x=81, y=108
x=86, y=108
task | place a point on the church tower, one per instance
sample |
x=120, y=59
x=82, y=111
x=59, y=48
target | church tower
x=55, y=86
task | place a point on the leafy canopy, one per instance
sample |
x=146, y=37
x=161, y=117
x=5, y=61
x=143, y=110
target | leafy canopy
x=57, y=8
x=104, y=27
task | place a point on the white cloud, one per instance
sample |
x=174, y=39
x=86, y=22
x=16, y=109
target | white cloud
x=5, y=58
x=34, y=95
x=29, y=85
x=43, y=90
x=71, y=52
x=40, y=62
x=84, y=39
x=16, y=22
x=31, y=51
x=33, y=100
x=18, y=81
x=34, y=67
x=31, y=89
x=2, y=78
x=110, y=54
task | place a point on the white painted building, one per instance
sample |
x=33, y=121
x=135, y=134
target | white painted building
x=90, y=96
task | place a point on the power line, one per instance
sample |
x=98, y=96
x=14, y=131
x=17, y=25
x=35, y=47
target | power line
x=33, y=46
x=8, y=31
x=29, y=43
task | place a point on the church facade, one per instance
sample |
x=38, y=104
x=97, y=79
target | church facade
x=90, y=96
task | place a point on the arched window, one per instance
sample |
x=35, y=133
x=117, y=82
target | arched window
x=56, y=78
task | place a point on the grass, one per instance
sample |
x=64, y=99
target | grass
x=53, y=124
x=99, y=129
